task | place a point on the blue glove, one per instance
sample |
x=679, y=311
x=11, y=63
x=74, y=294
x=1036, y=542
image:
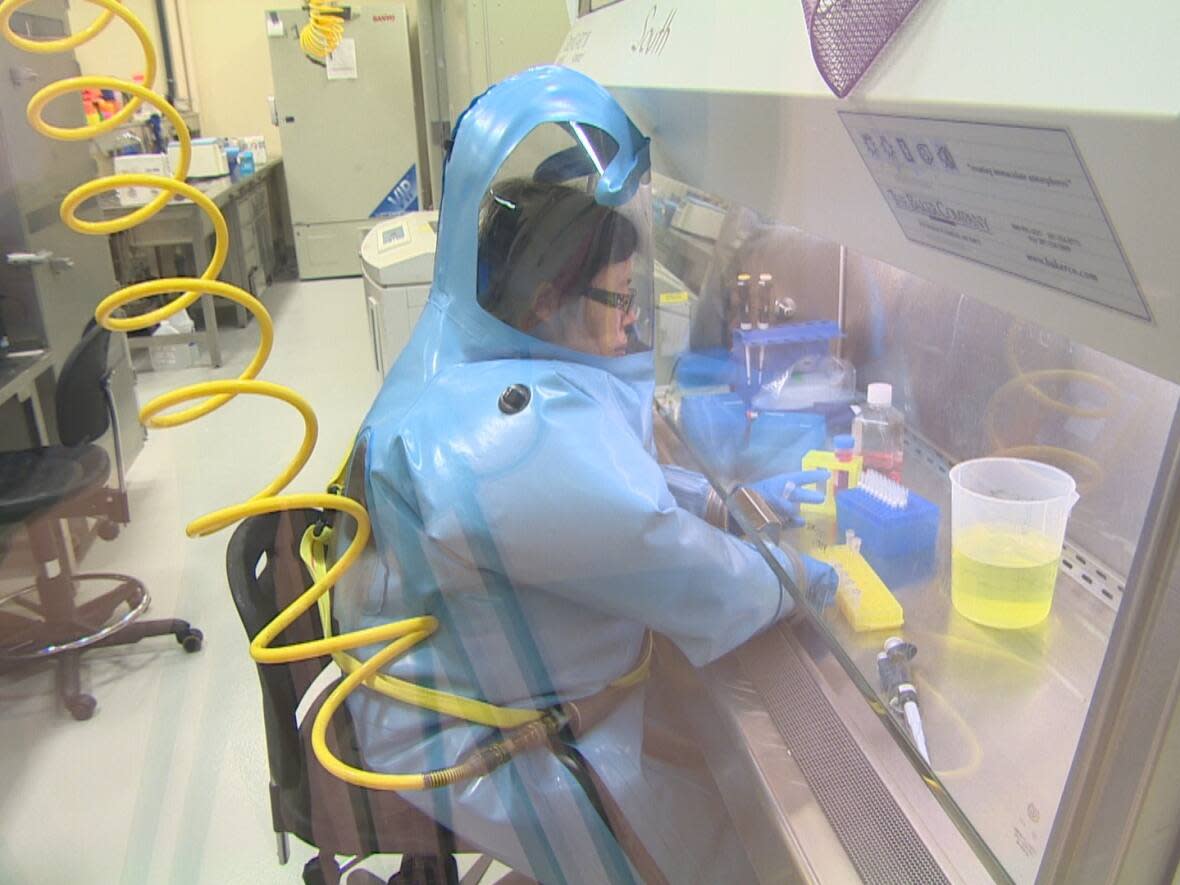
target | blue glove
x=784, y=492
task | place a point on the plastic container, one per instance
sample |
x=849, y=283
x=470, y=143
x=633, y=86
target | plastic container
x=246, y=163
x=737, y=450
x=1008, y=519
x=182, y=355
x=900, y=543
x=879, y=431
x=844, y=467
x=811, y=381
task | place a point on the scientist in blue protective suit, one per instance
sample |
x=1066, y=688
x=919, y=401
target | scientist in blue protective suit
x=507, y=465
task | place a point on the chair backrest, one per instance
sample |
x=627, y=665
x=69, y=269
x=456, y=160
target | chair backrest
x=82, y=415
x=262, y=560
x=265, y=574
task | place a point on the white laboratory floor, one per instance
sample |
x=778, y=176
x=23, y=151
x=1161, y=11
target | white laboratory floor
x=167, y=783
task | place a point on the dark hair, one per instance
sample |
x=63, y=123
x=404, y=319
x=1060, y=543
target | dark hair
x=533, y=233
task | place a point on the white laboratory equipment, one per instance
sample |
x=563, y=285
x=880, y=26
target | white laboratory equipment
x=397, y=262
x=208, y=159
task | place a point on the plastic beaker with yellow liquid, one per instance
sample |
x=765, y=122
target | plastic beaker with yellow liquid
x=1008, y=519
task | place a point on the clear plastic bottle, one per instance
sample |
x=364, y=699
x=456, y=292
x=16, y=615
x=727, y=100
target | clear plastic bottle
x=879, y=431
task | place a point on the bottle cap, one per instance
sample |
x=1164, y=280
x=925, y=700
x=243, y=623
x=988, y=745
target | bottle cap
x=843, y=441
x=880, y=394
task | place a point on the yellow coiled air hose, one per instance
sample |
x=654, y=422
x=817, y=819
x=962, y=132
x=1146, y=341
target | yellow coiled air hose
x=210, y=395
x=1035, y=385
x=322, y=34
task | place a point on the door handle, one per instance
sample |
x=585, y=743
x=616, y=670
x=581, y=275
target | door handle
x=23, y=74
x=375, y=334
x=42, y=257
x=274, y=110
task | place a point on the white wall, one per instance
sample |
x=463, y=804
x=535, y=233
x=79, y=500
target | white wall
x=229, y=52
x=116, y=51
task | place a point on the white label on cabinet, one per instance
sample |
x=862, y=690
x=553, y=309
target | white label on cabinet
x=1015, y=198
x=341, y=62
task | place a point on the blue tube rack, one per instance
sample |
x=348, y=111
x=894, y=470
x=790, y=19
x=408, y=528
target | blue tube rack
x=899, y=543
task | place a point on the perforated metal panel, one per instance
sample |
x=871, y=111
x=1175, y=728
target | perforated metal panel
x=874, y=832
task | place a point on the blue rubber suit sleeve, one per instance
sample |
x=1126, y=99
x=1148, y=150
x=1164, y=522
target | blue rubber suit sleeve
x=571, y=503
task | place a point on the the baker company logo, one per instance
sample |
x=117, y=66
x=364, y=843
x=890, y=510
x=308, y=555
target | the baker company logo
x=657, y=29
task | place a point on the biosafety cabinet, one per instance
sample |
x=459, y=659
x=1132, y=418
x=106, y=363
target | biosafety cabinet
x=990, y=219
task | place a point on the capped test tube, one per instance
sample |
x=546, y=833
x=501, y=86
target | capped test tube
x=765, y=299
x=744, y=305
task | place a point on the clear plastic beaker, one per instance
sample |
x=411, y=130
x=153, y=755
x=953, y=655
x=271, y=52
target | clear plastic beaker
x=1008, y=519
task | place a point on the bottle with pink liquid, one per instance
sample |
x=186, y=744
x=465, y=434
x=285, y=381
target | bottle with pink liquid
x=879, y=432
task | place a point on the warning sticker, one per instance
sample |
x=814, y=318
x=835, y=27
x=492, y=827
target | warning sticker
x=1015, y=198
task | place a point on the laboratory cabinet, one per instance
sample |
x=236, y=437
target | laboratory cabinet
x=994, y=242
x=255, y=260
x=51, y=279
x=350, y=140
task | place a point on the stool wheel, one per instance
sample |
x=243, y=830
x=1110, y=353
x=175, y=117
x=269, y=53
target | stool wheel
x=191, y=641
x=81, y=706
x=313, y=873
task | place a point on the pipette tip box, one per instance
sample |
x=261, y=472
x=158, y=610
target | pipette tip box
x=900, y=543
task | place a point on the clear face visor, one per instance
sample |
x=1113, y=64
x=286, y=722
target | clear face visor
x=553, y=261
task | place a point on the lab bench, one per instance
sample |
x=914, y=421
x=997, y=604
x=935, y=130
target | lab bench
x=254, y=207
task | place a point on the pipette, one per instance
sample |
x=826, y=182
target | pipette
x=893, y=666
x=765, y=300
x=745, y=323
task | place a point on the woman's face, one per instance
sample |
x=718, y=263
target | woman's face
x=597, y=328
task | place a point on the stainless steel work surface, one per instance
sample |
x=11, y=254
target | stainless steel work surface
x=1002, y=709
x=814, y=782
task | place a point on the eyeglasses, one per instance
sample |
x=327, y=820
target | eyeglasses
x=619, y=300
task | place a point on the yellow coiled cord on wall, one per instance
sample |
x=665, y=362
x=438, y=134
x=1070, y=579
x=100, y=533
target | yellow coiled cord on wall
x=322, y=34
x=211, y=395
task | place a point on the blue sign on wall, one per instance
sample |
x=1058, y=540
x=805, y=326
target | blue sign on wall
x=402, y=197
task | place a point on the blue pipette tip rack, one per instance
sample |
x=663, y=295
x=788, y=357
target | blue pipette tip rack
x=803, y=335
x=900, y=543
